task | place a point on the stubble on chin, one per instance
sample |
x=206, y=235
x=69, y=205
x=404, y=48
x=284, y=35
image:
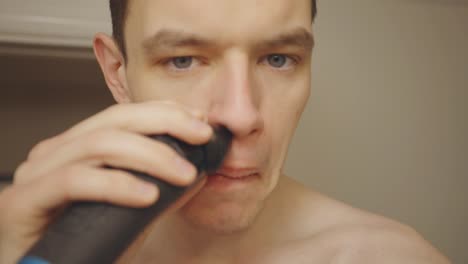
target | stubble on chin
x=221, y=219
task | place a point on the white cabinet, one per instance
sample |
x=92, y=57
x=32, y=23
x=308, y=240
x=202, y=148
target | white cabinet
x=70, y=23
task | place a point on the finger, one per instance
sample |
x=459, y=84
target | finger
x=81, y=183
x=139, y=117
x=149, y=118
x=135, y=117
x=142, y=121
x=118, y=149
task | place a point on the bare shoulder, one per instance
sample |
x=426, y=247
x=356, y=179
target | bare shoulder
x=340, y=234
x=378, y=241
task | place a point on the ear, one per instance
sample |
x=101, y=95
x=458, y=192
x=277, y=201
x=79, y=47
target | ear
x=112, y=64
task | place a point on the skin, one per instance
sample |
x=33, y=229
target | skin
x=182, y=72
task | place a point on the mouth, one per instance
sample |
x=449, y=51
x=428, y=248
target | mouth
x=232, y=177
x=235, y=173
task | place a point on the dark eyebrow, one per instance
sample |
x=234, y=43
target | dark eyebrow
x=297, y=37
x=166, y=39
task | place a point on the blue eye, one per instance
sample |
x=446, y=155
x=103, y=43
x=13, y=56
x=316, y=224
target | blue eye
x=277, y=60
x=182, y=62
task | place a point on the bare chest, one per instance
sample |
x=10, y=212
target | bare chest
x=293, y=253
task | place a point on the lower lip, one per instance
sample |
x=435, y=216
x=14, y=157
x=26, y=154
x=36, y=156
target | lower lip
x=220, y=181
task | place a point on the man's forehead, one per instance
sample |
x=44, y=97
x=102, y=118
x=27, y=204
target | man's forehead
x=232, y=4
x=215, y=17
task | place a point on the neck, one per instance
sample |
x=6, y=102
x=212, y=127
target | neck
x=173, y=240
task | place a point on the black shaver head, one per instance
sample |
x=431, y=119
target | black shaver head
x=216, y=149
x=208, y=157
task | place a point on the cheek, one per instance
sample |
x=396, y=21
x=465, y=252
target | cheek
x=284, y=104
x=283, y=108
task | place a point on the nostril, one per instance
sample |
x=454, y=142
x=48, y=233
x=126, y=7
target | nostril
x=237, y=109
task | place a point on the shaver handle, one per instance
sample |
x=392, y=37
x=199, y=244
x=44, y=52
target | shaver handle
x=91, y=232
x=98, y=233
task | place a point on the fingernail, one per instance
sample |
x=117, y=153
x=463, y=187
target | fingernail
x=186, y=169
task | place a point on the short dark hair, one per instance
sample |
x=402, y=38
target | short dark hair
x=119, y=10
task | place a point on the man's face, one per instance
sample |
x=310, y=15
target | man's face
x=245, y=63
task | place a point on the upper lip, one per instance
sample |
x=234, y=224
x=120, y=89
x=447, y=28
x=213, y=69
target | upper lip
x=233, y=172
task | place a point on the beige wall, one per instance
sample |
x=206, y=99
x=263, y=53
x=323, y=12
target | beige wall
x=385, y=128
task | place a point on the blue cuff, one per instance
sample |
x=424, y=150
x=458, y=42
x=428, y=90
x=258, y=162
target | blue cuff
x=33, y=260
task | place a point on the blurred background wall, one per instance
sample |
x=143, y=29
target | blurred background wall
x=386, y=126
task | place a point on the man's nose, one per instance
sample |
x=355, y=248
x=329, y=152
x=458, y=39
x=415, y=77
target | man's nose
x=236, y=100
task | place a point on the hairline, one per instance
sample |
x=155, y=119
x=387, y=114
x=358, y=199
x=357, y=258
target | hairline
x=120, y=41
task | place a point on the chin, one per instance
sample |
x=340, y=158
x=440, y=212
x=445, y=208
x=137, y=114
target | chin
x=223, y=216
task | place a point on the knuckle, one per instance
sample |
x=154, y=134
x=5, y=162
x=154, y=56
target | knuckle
x=117, y=110
x=21, y=168
x=21, y=172
x=38, y=149
x=114, y=108
x=43, y=146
